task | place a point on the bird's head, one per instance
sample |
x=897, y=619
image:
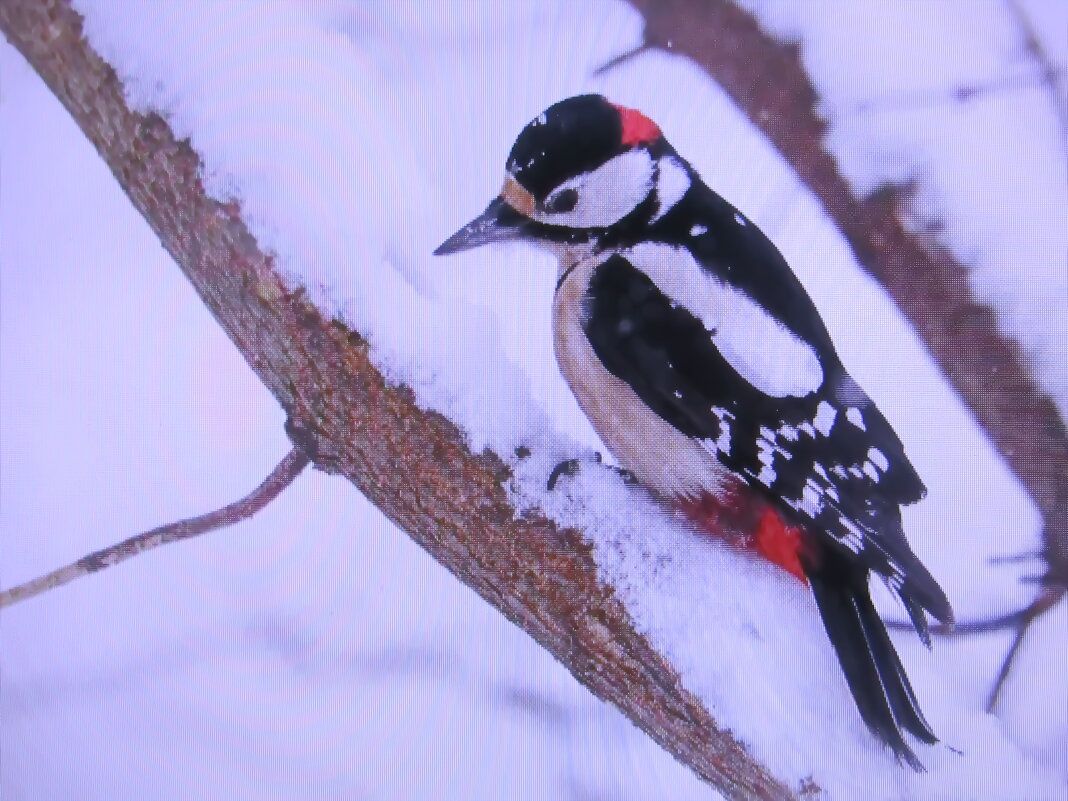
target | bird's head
x=583, y=170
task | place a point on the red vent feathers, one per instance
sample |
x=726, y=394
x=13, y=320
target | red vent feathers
x=637, y=128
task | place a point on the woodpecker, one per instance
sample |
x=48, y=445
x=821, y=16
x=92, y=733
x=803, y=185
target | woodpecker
x=704, y=366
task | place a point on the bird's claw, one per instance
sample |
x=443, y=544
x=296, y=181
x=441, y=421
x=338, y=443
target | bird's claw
x=569, y=467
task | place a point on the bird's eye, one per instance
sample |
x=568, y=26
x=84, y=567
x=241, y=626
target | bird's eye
x=563, y=201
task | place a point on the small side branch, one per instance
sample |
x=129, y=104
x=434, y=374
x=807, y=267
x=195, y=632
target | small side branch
x=1020, y=620
x=280, y=478
x=1052, y=74
x=1046, y=600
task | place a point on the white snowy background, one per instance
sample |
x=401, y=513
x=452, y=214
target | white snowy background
x=315, y=651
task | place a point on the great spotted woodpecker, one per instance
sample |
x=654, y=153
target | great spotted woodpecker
x=703, y=364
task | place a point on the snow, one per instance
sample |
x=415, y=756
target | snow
x=311, y=652
x=991, y=171
x=289, y=657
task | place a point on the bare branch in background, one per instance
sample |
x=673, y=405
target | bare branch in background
x=414, y=465
x=962, y=93
x=1046, y=600
x=767, y=80
x=1019, y=621
x=1053, y=75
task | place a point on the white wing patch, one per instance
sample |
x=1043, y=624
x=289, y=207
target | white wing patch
x=671, y=184
x=722, y=443
x=879, y=459
x=763, y=351
x=825, y=417
x=605, y=195
x=854, y=416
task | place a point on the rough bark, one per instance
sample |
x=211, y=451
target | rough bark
x=767, y=80
x=412, y=464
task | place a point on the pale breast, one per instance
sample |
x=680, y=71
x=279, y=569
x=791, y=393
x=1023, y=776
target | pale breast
x=660, y=456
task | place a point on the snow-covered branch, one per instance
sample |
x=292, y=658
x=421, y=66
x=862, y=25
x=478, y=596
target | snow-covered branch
x=766, y=78
x=413, y=464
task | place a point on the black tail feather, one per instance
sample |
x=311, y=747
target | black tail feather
x=918, y=618
x=896, y=683
x=871, y=666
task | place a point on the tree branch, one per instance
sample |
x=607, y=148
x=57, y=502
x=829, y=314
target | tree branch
x=412, y=464
x=281, y=477
x=1046, y=600
x=766, y=79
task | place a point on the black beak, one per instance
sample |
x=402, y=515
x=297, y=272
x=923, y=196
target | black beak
x=498, y=223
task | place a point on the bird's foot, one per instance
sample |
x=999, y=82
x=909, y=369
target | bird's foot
x=570, y=467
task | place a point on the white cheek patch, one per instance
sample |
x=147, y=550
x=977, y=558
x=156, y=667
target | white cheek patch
x=672, y=183
x=605, y=195
x=759, y=347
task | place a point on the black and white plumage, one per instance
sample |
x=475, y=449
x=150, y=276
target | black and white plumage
x=700, y=360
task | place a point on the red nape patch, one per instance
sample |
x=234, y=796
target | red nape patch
x=637, y=128
x=780, y=543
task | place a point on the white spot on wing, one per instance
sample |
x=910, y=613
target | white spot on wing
x=854, y=537
x=870, y=471
x=698, y=230
x=738, y=218
x=854, y=416
x=765, y=452
x=672, y=183
x=758, y=346
x=767, y=475
x=811, y=502
x=825, y=416
x=879, y=459
x=722, y=443
x=722, y=414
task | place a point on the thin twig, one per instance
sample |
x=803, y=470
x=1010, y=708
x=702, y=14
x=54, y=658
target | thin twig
x=622, y=58
x=940, y=97
x=1020, y=620
x=1049, y=598
x=1053, y=75
x=1015, y=558
x=1045, y=601
x=280, y=478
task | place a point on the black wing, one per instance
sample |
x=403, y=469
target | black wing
x=848, y=476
